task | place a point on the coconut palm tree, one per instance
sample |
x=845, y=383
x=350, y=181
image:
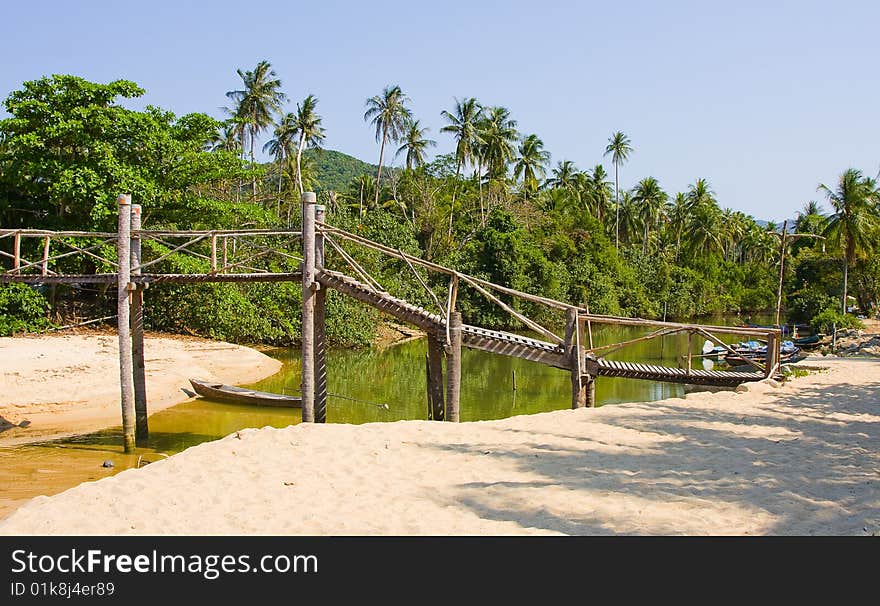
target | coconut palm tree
x=531, y=164
x=256, y=105
x=620, y=148
x=564, y=176
x=700, y=193
x=497, y=130
x=415, y=145
x=389, y=114
x=854, y=226
x=597, y=192
x=810, y=220
x=463, y=125
x=281, y=146
x=307, y=128
x=677, y=211
x=650, y=201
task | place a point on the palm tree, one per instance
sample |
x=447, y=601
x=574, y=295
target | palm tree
x=650, y=202
x=307, y=126
x=564, y=175
x=415, y=145
x=226, y=138
x=281, y=146
x=854, y=226
x=530, y=166
x=810, y=220
x=389, y=114
x=699, y=194
x=256, y=104
x=497, y=130
x=598, y=192
x=619, y=147
x=463, y=124
x=678, y=218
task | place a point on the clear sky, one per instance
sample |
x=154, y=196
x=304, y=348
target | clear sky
x=763, y=99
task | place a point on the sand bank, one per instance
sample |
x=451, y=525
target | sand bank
x=800, y=459
x=69, y=384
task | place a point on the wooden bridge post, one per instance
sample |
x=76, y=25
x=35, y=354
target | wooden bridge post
x=453, y=369
x=591, y=370
x=308, y=308
x=437, y=406
x=320, y=327
x=16, y=250
x=575, y=354
x=123, y=326
x=771, y=361
x=142, y=431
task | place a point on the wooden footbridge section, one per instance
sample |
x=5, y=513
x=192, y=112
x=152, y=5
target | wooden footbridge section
x=264, y=255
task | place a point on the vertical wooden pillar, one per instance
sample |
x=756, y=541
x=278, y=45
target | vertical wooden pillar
x=453, y=369
x=320, y=327
x=771, y=360
x=16, y=250
x=435, y=378
x=44, y=267
x=575, y=355
x=308, y=308
x=142, y=431
x=123, y=326
x=591, y=371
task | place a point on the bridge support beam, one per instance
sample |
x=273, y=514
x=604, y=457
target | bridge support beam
x=142, y=430
x=575, y=355
x=123, y=321
x=453, y=369
x=436, y=403
x=320, y=328
x=307, y=383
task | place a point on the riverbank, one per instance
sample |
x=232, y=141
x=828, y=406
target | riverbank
x=59, y=385
x=803, y=458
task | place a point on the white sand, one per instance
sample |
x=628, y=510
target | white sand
x=800, y=459
x=68, y=384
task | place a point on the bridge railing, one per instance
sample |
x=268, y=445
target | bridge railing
x=37, y=256
x=772, y=337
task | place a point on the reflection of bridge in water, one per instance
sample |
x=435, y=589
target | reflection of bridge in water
x=136, y=258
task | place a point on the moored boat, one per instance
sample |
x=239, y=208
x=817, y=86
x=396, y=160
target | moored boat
x=241, y=395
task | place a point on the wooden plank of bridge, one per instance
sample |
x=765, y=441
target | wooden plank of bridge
x=453, y=369
x=123, y=317
x=320, y=328
x=575, y=355
x=435, y=378
x=142, y=431
x=308, y=308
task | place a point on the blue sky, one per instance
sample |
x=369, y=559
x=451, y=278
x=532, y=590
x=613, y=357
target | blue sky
x=763, y=99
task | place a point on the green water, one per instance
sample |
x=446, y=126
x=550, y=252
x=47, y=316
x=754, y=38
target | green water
x=365, y=386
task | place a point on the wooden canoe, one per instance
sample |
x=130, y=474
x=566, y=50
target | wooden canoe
x=240, y=395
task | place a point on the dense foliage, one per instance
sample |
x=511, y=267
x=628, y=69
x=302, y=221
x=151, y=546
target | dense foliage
x=493, y=207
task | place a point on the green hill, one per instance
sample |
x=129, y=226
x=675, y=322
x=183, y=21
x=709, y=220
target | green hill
x=336, y=170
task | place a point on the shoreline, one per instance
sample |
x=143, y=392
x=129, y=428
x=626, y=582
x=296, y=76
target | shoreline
x=803, y=458
x=57, y=386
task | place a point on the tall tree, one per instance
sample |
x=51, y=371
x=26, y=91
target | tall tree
x=463, y=124
x=650, y=201
x=389, y=114
x=256, y=105
x=854, y=226
x=531, y=164
x=281, y=146
x=307, y=127
x=498, y=133
x=620, y=148
x=415, y=144
x=598, y=192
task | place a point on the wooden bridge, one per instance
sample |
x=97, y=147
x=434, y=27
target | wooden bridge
x=252, y=255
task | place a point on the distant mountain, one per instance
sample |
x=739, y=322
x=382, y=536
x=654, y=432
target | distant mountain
x=791, y=223
x=336, y=169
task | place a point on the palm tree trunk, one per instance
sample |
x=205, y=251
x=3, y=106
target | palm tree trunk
x=280, y=177
x=379, y=172
x=616, y=210
x=645, y=242
x=480, y=178
x=454, y=192
x=845, y=278
x=253, y=174
x=299, y=151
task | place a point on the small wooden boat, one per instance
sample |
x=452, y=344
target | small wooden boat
x=811, y=340
x=240, y=395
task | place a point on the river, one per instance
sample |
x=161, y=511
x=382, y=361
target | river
x=365, y=386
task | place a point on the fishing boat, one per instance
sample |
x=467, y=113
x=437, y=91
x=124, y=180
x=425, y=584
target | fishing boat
x=241, y=395
x=757, y=351
x=811, y=340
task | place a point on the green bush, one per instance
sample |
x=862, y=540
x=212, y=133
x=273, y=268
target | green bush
x=22, y=309
x=825, y=321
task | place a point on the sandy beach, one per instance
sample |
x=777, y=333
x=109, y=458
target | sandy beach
x=801, y=459
x=58, y=385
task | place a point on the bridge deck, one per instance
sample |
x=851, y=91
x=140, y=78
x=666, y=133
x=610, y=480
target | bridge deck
x=526, y=348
